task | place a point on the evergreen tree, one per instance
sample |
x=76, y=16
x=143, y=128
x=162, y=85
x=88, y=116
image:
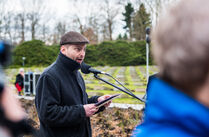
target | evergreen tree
x=119, y=37
x=128, y=19
x=125, y=37
x=140, y=21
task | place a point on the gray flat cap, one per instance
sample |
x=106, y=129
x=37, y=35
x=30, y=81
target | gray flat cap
x=73, y=37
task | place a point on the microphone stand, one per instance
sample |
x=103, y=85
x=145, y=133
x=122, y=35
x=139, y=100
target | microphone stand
x=131, y=94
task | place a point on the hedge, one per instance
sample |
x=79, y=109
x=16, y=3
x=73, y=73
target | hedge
x=111, y=53
x=117, y=53
x=35, y=52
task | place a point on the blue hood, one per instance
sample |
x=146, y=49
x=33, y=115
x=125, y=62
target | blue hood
x=170, y=112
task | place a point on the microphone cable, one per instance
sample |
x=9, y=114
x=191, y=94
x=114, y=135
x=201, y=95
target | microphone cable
x=127, y=90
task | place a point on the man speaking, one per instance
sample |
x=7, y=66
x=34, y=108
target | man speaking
x=61, y=100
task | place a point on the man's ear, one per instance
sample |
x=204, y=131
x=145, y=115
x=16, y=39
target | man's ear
x=63, y=49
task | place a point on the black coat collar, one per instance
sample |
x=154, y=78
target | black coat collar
x=67, y=62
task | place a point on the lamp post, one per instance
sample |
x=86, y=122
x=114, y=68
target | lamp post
x=23, y=61
x=148, y=40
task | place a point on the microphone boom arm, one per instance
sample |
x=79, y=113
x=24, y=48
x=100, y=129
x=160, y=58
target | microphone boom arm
x=97, y=77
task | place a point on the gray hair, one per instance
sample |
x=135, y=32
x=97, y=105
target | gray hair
x=21, y=70
x=181, y=44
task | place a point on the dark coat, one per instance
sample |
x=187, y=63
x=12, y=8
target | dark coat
x=19, y=80
x=60, y=95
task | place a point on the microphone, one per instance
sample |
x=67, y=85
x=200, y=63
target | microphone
x=148, y=39
x=86, y=69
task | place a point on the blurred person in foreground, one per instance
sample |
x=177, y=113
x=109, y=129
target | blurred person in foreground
x=178, y=98
x=63, y=106
x=19, y=83
x=13, y=119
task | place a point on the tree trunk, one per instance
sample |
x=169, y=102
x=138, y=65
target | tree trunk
x=22, y=29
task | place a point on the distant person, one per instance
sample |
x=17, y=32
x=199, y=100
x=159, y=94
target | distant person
x=19, y=83
x=178, y=98
x=63, y=106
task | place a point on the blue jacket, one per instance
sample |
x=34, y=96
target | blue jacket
x=171, y=113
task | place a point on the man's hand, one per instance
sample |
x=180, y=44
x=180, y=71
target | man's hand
x=90, y=109
x=103, y=98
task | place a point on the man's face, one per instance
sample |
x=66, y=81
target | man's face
x=75, y=52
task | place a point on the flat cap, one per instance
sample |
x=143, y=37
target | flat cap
x=73, y=37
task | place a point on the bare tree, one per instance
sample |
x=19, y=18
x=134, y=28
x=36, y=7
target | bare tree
x=34, y=15
x=93, y=24
x=87, y=25
x=104, y=31
x=44, y=32
x=15, y=31
x=110, y=14
x=2, y=13
x=156, y=7
x=95, y=20
x=7, y=19
x=34, y=19
x=21, y=17
x=80, y=25
x=60, y=29
x=92, y=33
x=55, y=38
x=9, y=22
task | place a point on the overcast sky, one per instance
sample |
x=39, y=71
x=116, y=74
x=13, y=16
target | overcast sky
x=65, y=10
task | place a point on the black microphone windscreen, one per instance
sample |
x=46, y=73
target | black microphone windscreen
x=85, y=68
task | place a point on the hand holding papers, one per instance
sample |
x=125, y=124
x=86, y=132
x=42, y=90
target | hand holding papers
x=103, y=102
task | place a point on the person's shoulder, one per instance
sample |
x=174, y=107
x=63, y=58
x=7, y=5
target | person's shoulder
x=52, y=71
x=156, y=75
x=18, y=76
x=160, y=130
x=49, y=71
